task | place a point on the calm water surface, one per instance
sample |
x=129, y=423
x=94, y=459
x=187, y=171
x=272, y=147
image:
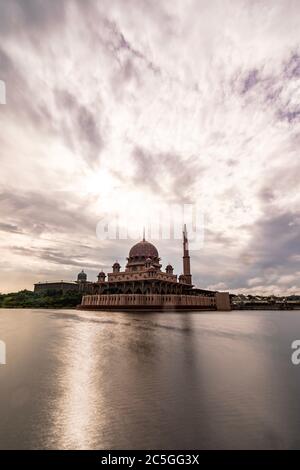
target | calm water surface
x=91, y=380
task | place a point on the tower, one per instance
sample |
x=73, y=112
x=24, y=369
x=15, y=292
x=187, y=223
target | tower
x=101, y=277
x=186, y=258
x=169, y=269
x=116, y=267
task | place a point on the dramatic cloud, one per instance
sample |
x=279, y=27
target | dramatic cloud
x=116, y=106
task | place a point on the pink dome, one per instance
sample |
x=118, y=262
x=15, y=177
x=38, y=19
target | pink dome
x=143, y=249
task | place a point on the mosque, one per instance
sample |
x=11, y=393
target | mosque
x=143, y=285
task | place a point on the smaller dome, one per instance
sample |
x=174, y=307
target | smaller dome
x=169, y=266
x=82, y=276
x=116, y=267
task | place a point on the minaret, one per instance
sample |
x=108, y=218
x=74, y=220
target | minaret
x=186, y=258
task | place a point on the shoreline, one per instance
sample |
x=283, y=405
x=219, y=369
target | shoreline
x=149, y=310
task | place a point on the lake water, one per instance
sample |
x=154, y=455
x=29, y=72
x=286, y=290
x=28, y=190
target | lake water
x=97, y=380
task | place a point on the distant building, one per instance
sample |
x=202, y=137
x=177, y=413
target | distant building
x=81, y=285
x=55, y=286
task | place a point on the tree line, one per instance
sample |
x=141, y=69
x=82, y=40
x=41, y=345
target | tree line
x=48, y=299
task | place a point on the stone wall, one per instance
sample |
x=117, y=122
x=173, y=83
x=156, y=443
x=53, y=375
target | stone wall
x=223, y=301
x=154, y=300
x=220, y=301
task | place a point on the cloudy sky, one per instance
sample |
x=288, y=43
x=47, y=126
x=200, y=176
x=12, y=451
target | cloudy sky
x=123, y=104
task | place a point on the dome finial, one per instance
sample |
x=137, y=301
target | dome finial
x=144, y=233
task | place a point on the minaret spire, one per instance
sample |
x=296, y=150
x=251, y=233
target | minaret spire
x=186, y=258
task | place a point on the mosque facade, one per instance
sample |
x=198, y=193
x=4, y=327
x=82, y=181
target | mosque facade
x=144, y=285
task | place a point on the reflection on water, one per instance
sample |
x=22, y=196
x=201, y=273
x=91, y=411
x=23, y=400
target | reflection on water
x=89, y=380
x=74, y=411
